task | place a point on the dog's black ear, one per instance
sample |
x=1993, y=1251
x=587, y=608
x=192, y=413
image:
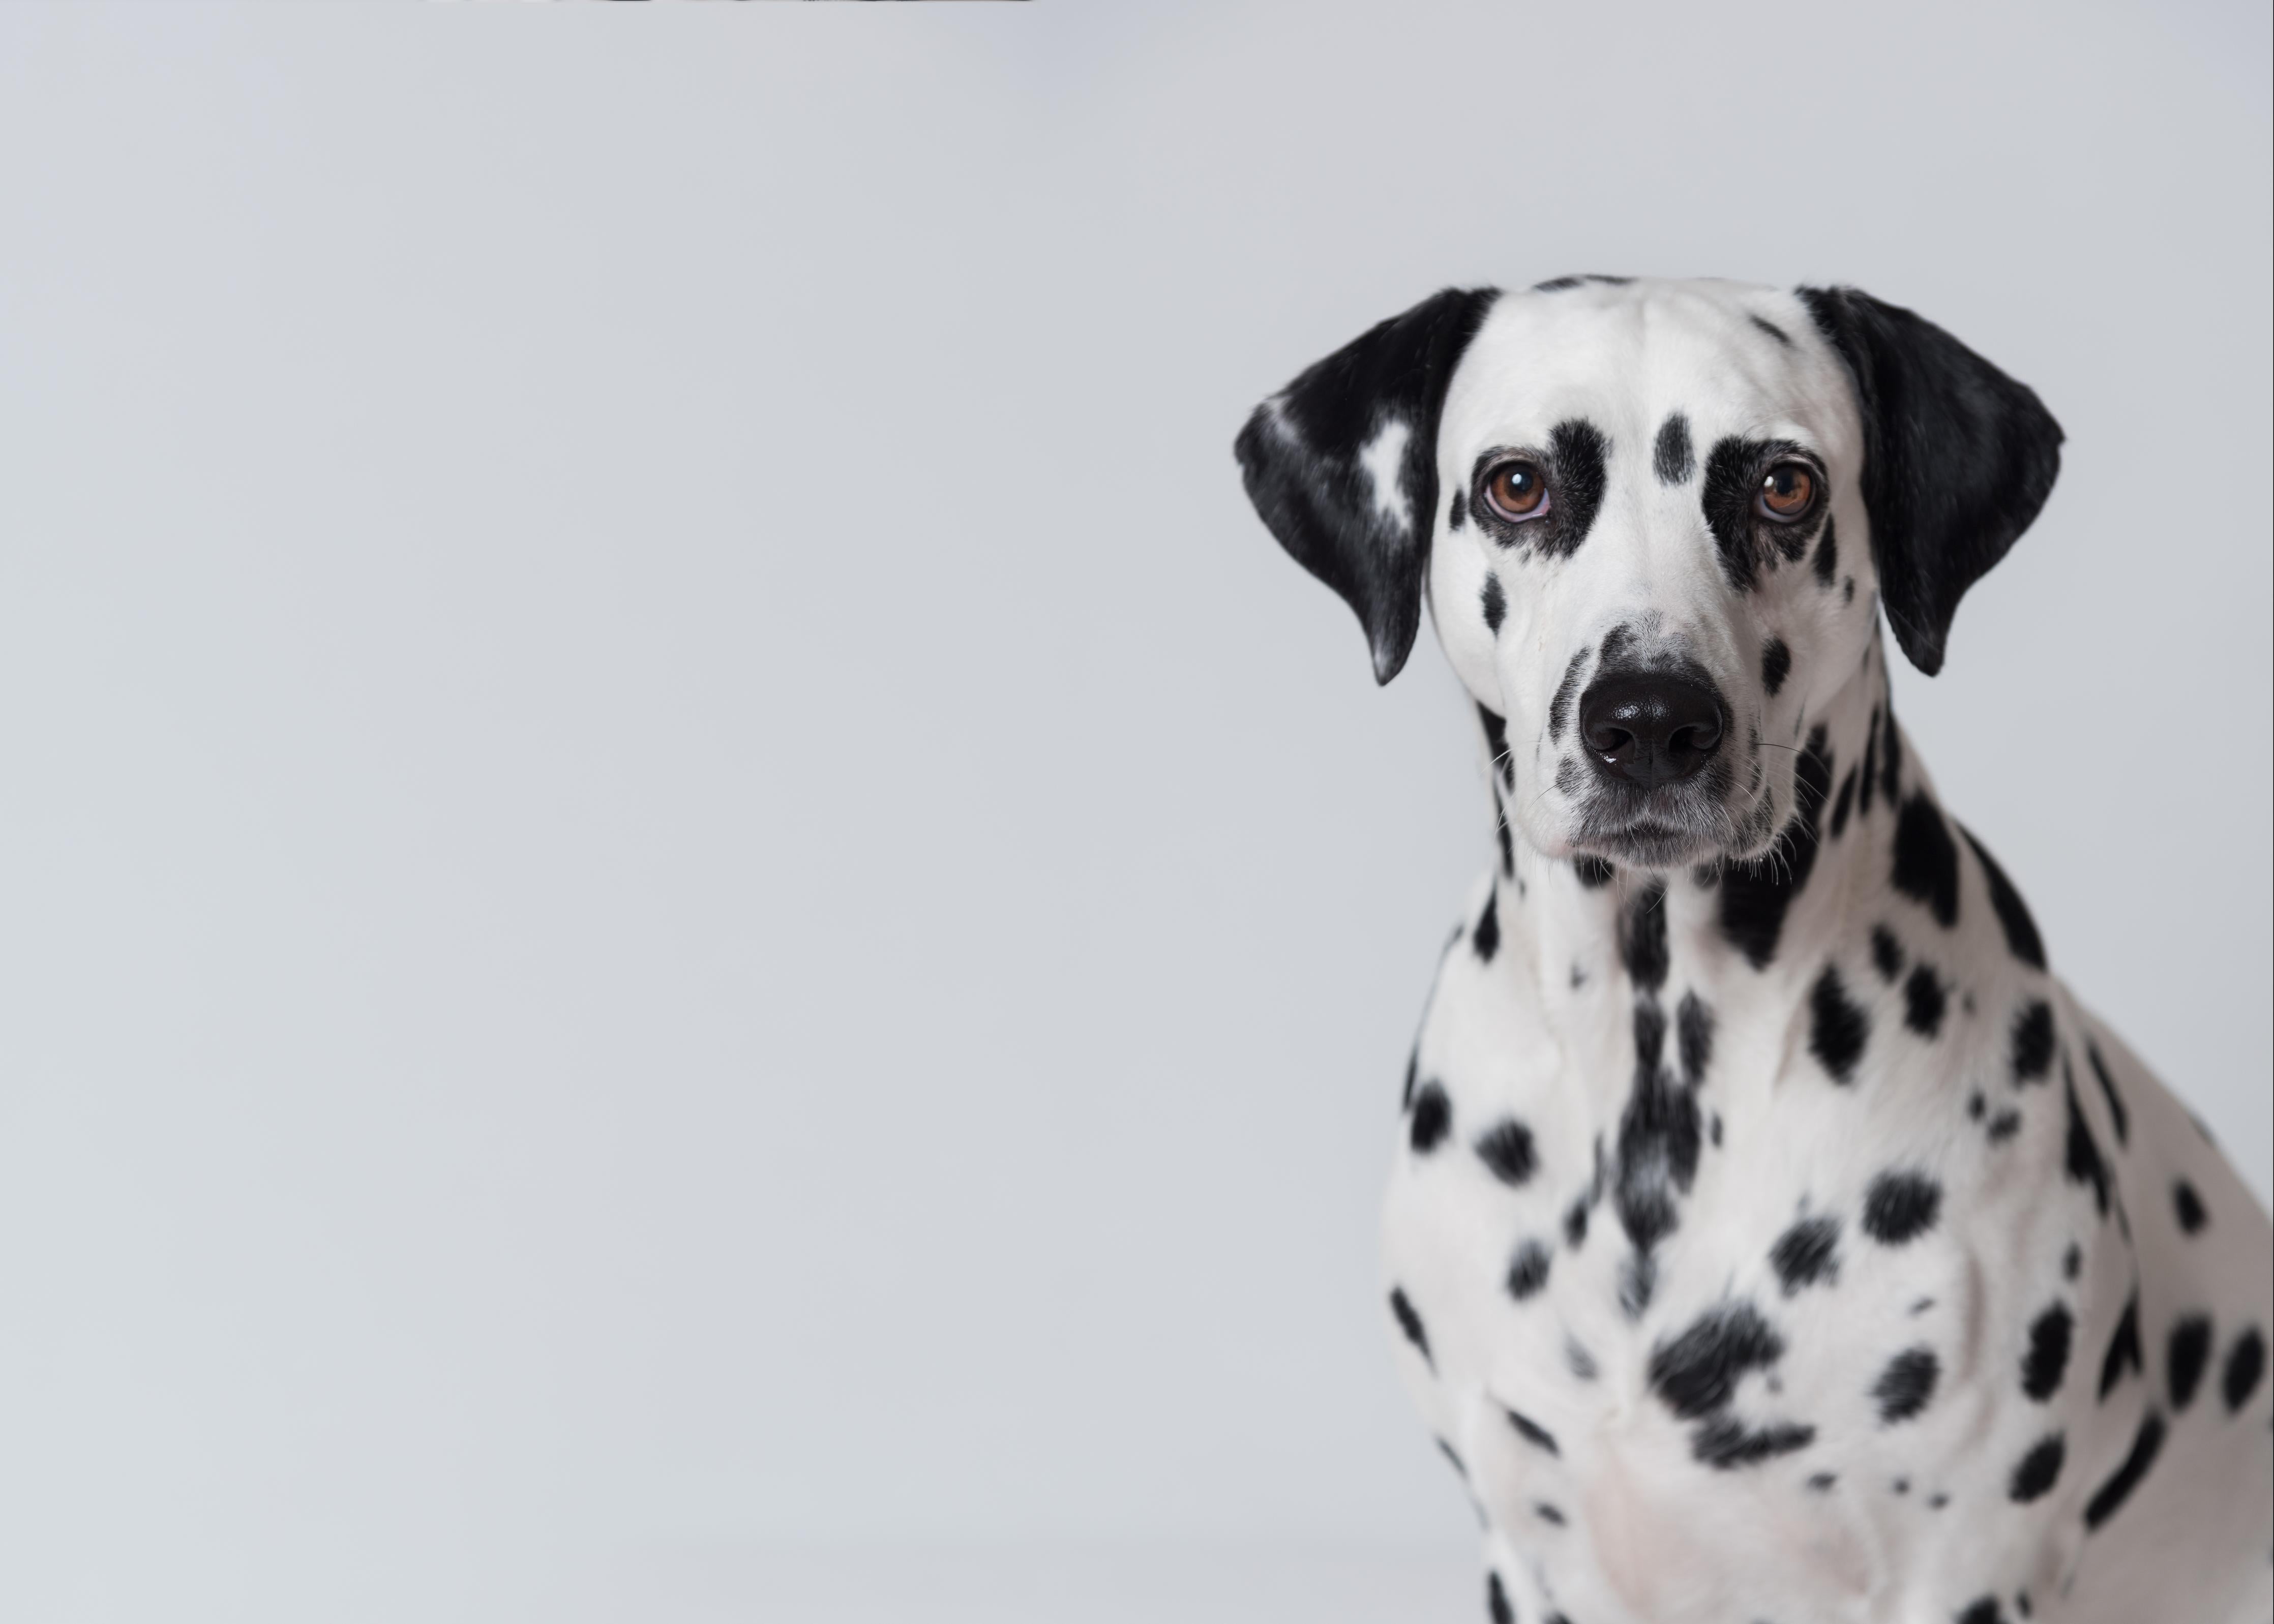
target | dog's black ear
x=1341, y=464
x=1957, y=460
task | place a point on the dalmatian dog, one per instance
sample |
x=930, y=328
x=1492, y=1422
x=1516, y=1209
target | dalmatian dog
x=1772, y=1238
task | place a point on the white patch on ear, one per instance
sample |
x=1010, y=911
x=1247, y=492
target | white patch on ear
x=1383, y=458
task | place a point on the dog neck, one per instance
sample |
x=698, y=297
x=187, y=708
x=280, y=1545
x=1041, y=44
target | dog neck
x=1620, y=951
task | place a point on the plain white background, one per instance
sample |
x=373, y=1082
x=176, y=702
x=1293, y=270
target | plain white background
x=692, y=924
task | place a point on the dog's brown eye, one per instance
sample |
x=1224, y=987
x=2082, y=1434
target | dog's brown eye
x=1517, y=490
x=1787, y=492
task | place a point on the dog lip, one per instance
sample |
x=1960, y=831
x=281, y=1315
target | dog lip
x=1647, y=843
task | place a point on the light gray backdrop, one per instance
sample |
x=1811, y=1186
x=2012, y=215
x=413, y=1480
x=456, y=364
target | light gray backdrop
x=685, y=900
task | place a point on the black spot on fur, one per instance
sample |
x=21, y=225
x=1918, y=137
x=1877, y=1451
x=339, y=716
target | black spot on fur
x=2109, y=1498
x=1827, y=556
x=2184, y=1356
x=2117, y=1116
x=2047, y=1362
x=1842, y=803
x=1924, y=1002
x=1776, y=665
x=1548, y=1513
x=1693, y=1027
x=1581, y=1362
x=1671, y=458
x=1580, y=453
x=2187, y=1206
x=2123, y=1348
x=1527, y=1271
x=1594, y=872
x=1486, y=937
x=1432, y=1118
x=1642, y=938
x=1496, y=603
x=2246, y=1363
x=1559, y=708
x=1410, y=1322
x=1886, y=953
x=1907, y=1385
x=1821, y=1482
x=1982, y=1610
x=2013, y=914
x=1496, y=738
x=2004, y=1126
x=1838, y=1026
x=1926, y=861
x=1755, y=896
x=1770, y=328
x=1506, y=1148
x=2038, y=1469
x=1724, y=1443
x=1496, y=1605
x=1697, y=1372
x=1891, y=767
x=2073, y=1262
x=1868, y=785
x=1412, y=1065
x=1575, y=1222
x=1532, y=1431
x=1807, y=1253
x=2033, y=1042
x=2084, y=1165
x=1615, y=640
x=1900, y=1206
x=1734, y=468
x=1459, y=514
x=1501, y=834
x=1454, y=1455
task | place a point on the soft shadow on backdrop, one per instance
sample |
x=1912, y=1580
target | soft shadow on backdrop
x=692, y=924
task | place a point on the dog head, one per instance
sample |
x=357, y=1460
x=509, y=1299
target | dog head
x=1652, y=522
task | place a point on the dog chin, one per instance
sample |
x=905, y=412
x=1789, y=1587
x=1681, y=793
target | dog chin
x=1648, y=844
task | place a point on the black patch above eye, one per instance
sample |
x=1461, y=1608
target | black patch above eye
x=1671, y=458
x=1734, y=468
x=1581, y=456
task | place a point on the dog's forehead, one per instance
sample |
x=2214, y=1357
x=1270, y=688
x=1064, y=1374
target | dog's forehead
x=1732, y=359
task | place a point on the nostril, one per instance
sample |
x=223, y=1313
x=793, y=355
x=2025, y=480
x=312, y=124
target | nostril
x=1650, y=727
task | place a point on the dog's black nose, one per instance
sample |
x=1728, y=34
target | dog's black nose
x=1650, y=727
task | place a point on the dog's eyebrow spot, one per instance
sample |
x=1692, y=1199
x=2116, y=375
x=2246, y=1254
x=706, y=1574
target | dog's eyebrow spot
x=2035, y=1474
x=1776, y=665
x=1671, y=458
x=2047, y=1360
x=1905, y=1388
x=1496, y=603
x=1770, y=328
x=1900, y=1207
x=1581, y=453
